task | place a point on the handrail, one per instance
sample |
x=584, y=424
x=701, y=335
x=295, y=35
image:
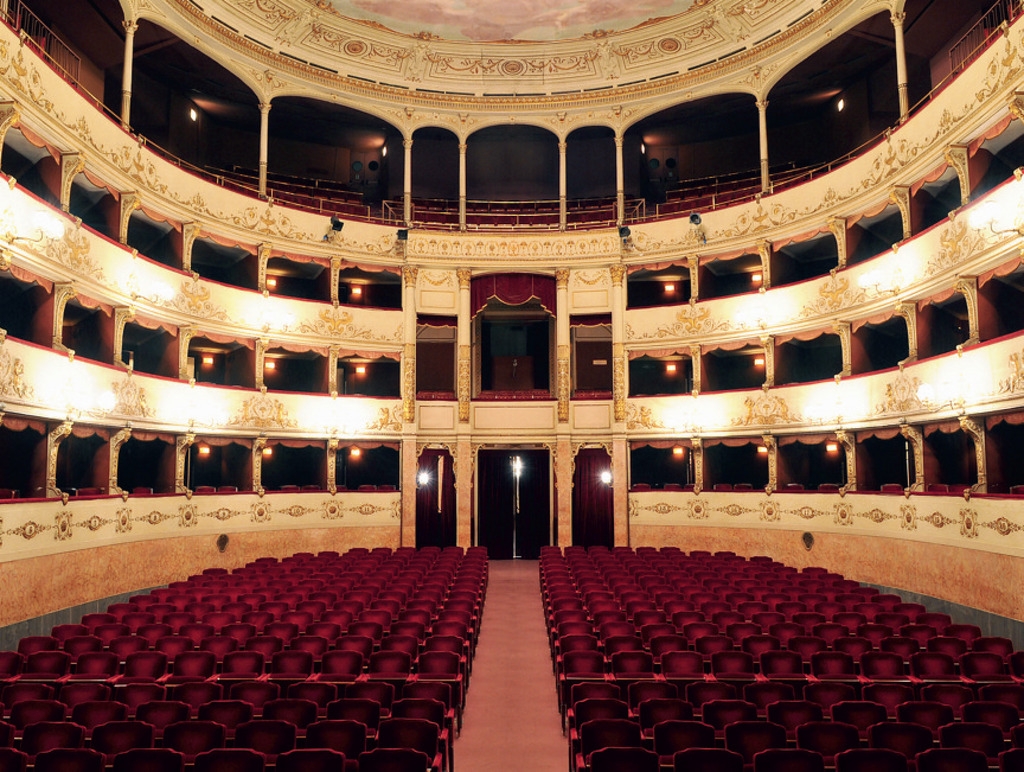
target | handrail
x=20, y=17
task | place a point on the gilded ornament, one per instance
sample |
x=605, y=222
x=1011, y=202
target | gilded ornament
x=766, y=409
x=263, y=412
x=901, y=395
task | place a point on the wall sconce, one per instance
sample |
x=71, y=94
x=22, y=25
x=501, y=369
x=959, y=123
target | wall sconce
x=755, y=278
x=207, y=360
x=423, y=479
x=355, y=452
x=268, y=452
x=606, y=477
x=46, y=226
x=1000, y=216
x=360, y=369
x=880, y=283
x=678, y=451
x=761, y=449
x=271, y=282
x=670, y=288
x=193, y=114
x=204, y=450
x=758, y=361
x=670, y=367
x=831, y=447
x=269, y=364
x=357, y=290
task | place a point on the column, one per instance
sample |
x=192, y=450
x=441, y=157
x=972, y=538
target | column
x=563, y=466
x=465, y=474
x=462, y=186
x=562, y=213
x=619, y=386
x=409, y=274
x=264, y=143
x=464, y=339
x=407, y=183
x=620, y=493
x=117, y=441
x=126, y=74
x=410, y=463
x=901, y=63
x=620, y=184
x=562, y=343
x=762, y=125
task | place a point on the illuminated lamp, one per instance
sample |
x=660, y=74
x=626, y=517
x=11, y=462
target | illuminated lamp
x=355, y=452
x=204, y=450
x=207, y=359
x=270, y=364
x=758, y=361
x=361, y=369
x=670, y=288
x=762, y=449
x=831, y=447
x=678, y=450
x=670, y=367
x=267, y=452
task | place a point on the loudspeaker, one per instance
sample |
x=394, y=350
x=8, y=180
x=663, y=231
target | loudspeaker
x=403, y=235
x=624, y=232
x=336, y=223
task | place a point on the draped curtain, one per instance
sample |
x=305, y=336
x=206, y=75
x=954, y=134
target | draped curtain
x=435, y=500
x=497, y=498
x=512, y=289
x=592, y=500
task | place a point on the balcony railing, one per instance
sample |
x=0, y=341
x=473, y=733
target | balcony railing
x=20, y=17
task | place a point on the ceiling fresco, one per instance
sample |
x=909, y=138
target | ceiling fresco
x=503, y=20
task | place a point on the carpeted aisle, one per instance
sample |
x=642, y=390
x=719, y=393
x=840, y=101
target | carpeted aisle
x=511, y=719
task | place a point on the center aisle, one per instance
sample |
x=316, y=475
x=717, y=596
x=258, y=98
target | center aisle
x=511, y=719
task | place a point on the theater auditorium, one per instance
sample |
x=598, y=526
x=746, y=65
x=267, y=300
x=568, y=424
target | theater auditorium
x=684, y=338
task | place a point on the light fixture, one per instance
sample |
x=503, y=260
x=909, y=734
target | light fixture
x=840, y=105
x=423, y=478
x=698, y=228
x=193, y=114
x=357, y=290
x=517, y=466
x=270, y=364
x=670, y=288
x=267, y=452
x=831, y=447
x=360, y=369
x=762, y=449
x=355, y=452
x=384, y=151
x=207, y=360
x=755, y=278
x=643, y=148
x=670, y=367
x=678, y=450
x=606, y=477
x=204, y=450
x=271, y=282
x=758, y=361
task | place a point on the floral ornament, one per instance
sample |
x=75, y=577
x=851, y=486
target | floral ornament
x=260, y=512
x=908, y=517
x=1002, y=526
x=296, y=510
x=188, y=516
x=62, y=523
x=697, y=511
x=30, y=530
x=123, y=523
x=968, y=523
x=333, y=510
x=95, y=522
x=843, y=514
x=769, y=512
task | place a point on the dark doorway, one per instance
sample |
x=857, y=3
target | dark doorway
x=592, y=499
x=514, y=502
x=435, y=499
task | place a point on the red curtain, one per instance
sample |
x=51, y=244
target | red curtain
x=435, y=500
x=592, y=500
x=513, y=289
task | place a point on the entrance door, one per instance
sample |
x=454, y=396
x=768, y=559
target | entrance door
x=435, y=499
x=514, y=502
x=592, y=499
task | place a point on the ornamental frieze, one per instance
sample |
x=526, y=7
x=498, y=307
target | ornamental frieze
x=691, y=320
x=388, y=419
x=194, y=299
x=263, y=412
x=766, y=409
x=901, y=396
x=12, y=374
x=957, y=243
x=544, y=249
x=130, y=398
x=835, y=294
x=641, y=417
x=336, y=322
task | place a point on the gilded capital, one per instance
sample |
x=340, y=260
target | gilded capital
x=409, y=275
x=618, y=272
x=465, y=277
x=562, y=278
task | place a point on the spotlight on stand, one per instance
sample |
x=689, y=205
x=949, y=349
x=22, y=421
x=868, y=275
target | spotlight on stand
x=698, y=228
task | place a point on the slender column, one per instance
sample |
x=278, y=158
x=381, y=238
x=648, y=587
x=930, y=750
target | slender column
x=126, y=73
x=620, y=387
x=620, y=184
x=407, y=183
x=562, y=211
x=762, y=127
x=264, y=145
x=465, y=338
x=562, y=343
x=409, y=274
x=462, y=186
x=901, y=64
x=410, y=463
x=620, y=491
x=563, y=466
x=465, y=474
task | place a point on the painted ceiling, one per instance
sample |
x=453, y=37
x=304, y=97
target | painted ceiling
x=502, y=20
